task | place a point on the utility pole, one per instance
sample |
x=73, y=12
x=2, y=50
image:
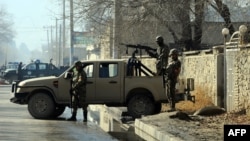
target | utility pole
x=71, y=33
x=60, y=46
x=48, y=51
x=63, y=43
x=48, y=40
x=57, y=54
x=51, y=42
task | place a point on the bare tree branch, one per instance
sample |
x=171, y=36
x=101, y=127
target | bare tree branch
x=224, y=11
x=165, y=12
x=6, y=29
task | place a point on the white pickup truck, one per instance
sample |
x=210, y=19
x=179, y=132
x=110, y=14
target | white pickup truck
x=107, y=83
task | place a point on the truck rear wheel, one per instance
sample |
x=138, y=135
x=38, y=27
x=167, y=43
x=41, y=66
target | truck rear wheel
x=140, y=105
x=41, y=106
x=158, y=107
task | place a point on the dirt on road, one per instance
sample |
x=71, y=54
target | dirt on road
x=207, y=128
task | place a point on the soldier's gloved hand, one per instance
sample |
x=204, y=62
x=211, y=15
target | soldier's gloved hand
x=72, y=92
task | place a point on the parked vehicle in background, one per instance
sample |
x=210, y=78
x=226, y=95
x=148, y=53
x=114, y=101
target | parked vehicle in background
x=10, y=66
x=33, y=70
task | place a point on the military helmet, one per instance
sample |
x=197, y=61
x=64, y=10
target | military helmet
x=159, y=39
x=173, y=51
x=78, y=63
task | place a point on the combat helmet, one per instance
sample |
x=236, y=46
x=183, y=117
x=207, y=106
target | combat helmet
x=173, y=51
x=78, y=63
x=159, y=39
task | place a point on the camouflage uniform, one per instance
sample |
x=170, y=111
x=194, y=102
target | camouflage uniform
x=172, y=72
x=161, y=55
x=162, y=58
x=79, y=93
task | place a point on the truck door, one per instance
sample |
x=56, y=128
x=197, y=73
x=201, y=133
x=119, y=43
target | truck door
x=29, y=71
x=108, y=83
x=34, y=70
x=89, y=69
x=42, y=70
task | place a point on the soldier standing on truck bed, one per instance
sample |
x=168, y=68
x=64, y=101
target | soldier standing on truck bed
x=172, y=72
x=161, y=55
x=78, y=92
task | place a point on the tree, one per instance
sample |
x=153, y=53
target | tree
x=223, y=10
x=189, y=13
x=6, y=34
x=6, y=29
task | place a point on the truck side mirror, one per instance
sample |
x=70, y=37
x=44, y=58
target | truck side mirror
x=68, y=75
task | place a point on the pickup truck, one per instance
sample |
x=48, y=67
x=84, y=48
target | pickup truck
x=107, y=83
x=32, y=70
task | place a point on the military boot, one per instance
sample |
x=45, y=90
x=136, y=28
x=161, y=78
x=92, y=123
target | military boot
x=73, y=117
x=85, y=115
x=172, y=105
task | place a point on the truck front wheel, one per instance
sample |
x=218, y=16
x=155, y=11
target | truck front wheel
x=58, y=111
x=140, y=105
x=41, y=106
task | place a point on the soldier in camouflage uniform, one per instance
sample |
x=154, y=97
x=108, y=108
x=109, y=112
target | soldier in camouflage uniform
x=161, y=55
x=78, y=92
x=172, y=72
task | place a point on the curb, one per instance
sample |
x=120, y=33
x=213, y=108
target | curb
x=148, y=131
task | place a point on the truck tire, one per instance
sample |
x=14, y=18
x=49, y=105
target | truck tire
x=140, y=105
x=58, y=111
x=41, y=106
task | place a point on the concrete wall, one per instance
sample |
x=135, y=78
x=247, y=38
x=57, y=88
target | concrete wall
x=206, y=69
x=239, y=97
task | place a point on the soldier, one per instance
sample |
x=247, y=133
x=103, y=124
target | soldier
x=172, y=72
x=19, y=71
x=161, y=55
x=78, y=92
x=132, y=65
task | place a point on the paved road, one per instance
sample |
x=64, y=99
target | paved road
x=16, y=124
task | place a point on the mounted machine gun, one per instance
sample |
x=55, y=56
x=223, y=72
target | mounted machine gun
x=135, y=67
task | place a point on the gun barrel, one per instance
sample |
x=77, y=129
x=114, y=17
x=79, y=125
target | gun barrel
x=138, y=46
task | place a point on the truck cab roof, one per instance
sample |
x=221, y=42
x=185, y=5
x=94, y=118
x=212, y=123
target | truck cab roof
x=105, y=60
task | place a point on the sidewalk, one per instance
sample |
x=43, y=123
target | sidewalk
x=162, y=128
x=156, y=127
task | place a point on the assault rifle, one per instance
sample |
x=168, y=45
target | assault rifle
x=71, y=99
x=140, y=47
x=71, y=92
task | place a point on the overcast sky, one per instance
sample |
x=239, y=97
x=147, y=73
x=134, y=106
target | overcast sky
x=30, y=19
